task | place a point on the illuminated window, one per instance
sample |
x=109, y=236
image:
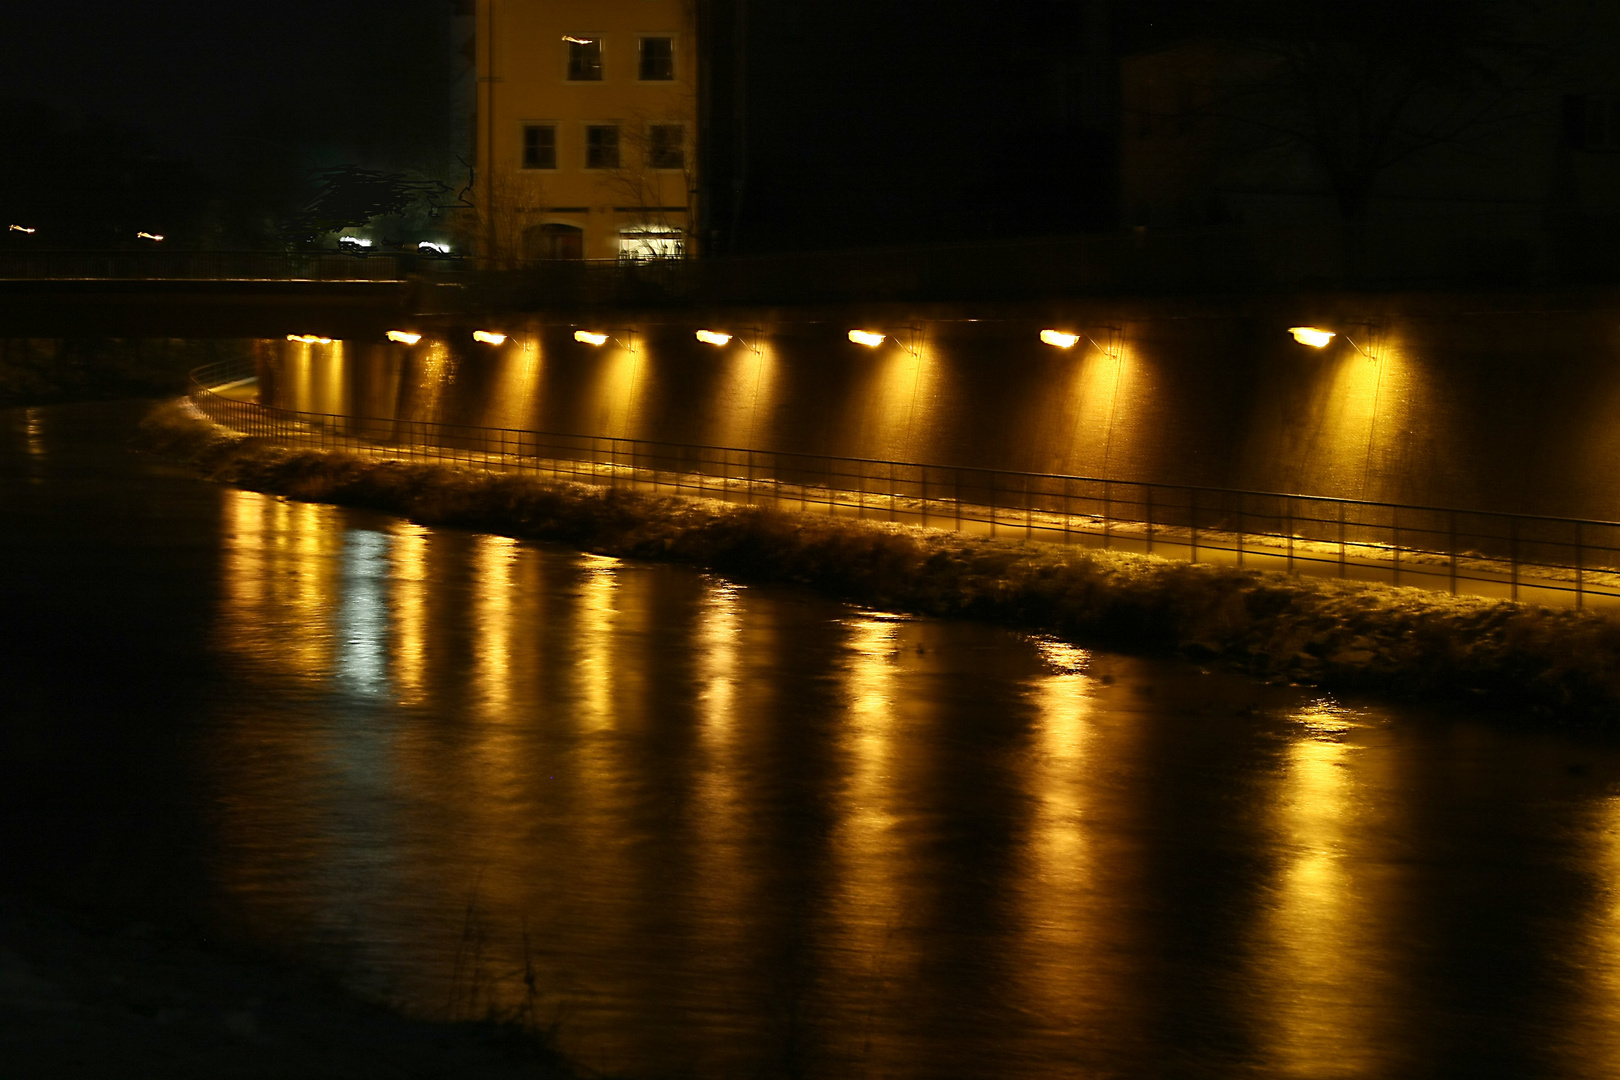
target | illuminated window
x=584, y=59
x=602, y=146
x=657, y=59
x=539, y=146
x=666, y=146
x=640, y=243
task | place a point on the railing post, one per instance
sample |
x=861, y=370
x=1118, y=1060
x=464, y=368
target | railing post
x=1108, y=517
x=1395, y=541
x=1288, y=508
x=1580, y=561
x=1149, y=499
x=1341, y=538
x=1451, y=546
x=1192, y=516
x=1513, y=554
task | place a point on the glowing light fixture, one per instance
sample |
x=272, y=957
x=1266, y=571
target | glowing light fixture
x=488, y=337
x=354, y=241
x=1059, y=338
x=149, y=236
x=589, y=338
x=429, y=245
x=404, y=337
x=870, y=338
x=1310, y=335
x=578, y=40
x=310, y=339
x=22, y=229
x=713, y=337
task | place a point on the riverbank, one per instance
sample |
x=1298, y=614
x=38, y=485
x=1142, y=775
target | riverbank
x=1336, y=634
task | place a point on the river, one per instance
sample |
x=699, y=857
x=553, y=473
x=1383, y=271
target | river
x=703, y=829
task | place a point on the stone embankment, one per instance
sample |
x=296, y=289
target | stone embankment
x=1414, y=643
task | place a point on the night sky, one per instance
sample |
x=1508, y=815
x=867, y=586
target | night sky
x=886, y=121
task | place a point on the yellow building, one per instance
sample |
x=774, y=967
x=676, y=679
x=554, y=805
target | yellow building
x=586, y=129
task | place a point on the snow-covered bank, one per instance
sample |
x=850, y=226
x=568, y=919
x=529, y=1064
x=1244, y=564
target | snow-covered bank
x=1329, y=632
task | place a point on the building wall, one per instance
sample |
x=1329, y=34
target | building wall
x=523, y=64
x=1505, y=402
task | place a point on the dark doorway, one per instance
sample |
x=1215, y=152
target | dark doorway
x=554, y=242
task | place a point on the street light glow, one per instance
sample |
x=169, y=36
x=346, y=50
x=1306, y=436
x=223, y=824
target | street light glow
x=1059, y=338
x=22, y=229
x=590, y=338
x=429, y=245
x=355, y=240
x=148, y=236
x=1310, y=335
x=713, y=337
x=488, y=337
x=310, y=339
x=870, y=338
x=404, y=337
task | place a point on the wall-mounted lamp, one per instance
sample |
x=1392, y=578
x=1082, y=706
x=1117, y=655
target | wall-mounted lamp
x=1310, y=335
x=310, y=339
x=590, y=338
x=404, y=337
x=713, y=337
x=870, y=338
x=1059, y=339
x=489, y=337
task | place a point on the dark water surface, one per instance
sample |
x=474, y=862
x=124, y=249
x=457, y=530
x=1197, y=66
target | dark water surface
x=739, y=832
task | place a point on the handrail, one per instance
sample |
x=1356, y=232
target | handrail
x=1522, y=556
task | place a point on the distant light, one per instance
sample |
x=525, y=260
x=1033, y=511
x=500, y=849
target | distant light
x=148, y=236
x=22, y=229
x=488, y=337
x=406, y=337
x=589, y=338
x=870, y=338
x=578, y=40
x=354, y=241
x=1310, y=335
x=713, y=337
x=1059, y=338
x=310, y=339
x=428, y=245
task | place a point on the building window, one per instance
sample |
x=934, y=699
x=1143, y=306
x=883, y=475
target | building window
x=657, y=59
x=666, y=146
x=539, y=146
x=651, y=242
x=584, y=58
x=602, y=146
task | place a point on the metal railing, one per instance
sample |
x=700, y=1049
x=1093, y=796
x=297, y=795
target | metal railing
x=1549, y=560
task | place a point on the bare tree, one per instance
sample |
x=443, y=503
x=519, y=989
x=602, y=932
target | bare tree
x=1362, y=86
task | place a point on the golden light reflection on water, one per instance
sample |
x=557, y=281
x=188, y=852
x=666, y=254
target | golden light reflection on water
x=594, y=641
x=34, y=431
x=410, y=588
x=869, y=908
x=1320, y=966
x=283, y=581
